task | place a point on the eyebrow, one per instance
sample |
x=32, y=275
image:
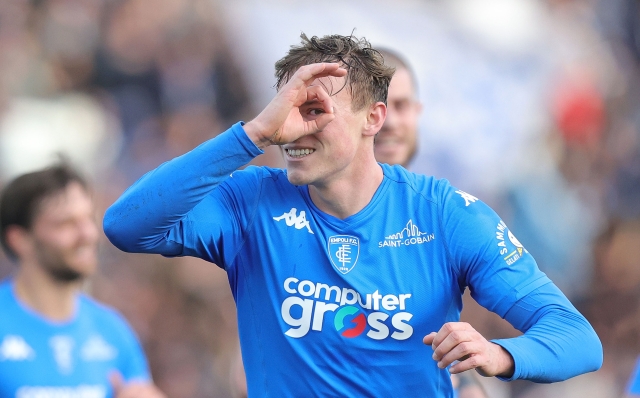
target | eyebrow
x=312, y=102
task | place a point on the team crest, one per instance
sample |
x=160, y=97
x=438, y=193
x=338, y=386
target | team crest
x=343, y=252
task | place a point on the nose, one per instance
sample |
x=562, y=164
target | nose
x=88, y=230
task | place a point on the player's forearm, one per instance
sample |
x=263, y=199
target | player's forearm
x=558, y=343
x=139, y=220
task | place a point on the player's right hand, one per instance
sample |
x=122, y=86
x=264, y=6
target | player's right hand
x=135, y=389
x=281, y=121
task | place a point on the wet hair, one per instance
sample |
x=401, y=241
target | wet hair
x=21, y=199
x=397, y=61
x=367, y=76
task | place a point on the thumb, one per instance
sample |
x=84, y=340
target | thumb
x=323, y=120
x=117, y=382
x=428, y=339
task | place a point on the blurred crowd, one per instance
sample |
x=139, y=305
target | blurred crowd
x=543, y=123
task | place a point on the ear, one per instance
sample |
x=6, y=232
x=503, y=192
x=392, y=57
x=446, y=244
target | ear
x=18, y=239
x=375, y=118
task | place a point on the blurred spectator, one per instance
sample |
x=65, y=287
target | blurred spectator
x=55, y=340
x=117, y=86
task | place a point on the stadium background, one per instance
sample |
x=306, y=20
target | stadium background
x=530, y=105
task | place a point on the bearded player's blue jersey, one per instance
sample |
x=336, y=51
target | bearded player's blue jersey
x=334, y=307
x=40, y=358
x=634, y=382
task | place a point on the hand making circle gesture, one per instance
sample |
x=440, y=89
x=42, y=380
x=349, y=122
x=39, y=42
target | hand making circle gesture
x=281, y=121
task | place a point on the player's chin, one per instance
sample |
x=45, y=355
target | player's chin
x=298, y=177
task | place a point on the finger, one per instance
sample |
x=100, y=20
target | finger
x=117, y=382
x=452, y=340
x=447, y=329
x=472, y=362
x=428, y=339
x=308, y=73
x=133, y=390
x=322, y=121
x=459, y=353
x=319, y=94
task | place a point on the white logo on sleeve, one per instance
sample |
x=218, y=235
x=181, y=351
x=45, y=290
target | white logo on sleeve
x=511, y=249
x=293, y=220
x=62, y=347
x=14, y=348
x=468, y=198
x=96, y=349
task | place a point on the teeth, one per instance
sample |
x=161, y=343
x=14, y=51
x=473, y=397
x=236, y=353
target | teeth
x=299, y=152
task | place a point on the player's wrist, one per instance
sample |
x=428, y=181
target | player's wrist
x=506, y=364
x=258, y=133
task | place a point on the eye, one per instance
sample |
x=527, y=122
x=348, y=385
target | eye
x=402, y=105
x=316, y=111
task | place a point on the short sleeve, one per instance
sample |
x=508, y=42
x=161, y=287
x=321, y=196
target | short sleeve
x=132, y=362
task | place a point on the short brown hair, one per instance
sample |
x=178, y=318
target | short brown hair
x=21, y=198
x=397, y=61
x=367, y=76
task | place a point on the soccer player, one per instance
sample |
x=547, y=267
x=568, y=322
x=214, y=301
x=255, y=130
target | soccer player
x=55, y=341
x=396, y=143
x=397, y=140
x=347, y=274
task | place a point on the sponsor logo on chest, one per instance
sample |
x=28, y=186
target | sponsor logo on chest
x=407, y=236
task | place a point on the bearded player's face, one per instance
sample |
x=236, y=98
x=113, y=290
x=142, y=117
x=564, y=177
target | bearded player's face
x=397, y=141
x=64, y=234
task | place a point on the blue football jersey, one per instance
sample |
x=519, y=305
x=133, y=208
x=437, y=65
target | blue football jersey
x=333, y=307
x=634, y=381
x=40, y=358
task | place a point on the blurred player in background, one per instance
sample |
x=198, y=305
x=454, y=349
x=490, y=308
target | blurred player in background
x=342, y=268
x=397, y=143
x=54, y=340
x=397, y=140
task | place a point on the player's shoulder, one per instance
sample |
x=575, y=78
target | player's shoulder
x=5, y=288
x=431, y=188
x=6, y=294
x=101, y=313
x=258, y=173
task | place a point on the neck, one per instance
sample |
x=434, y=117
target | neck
x=50, y=298
x=347, y=194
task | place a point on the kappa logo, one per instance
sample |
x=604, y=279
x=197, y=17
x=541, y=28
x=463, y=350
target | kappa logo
x=468, y=198
x=14, y=348
x=293, y=220
x=409, y=235
x=343, y=251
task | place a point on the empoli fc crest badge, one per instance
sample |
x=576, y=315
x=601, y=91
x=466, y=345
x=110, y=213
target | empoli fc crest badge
x=343, y=252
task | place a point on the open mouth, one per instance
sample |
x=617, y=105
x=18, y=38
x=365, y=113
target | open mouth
x=299, y=153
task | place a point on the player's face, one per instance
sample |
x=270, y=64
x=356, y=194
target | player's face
x=65, y=235
x=319, y=158
x=397, y=140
